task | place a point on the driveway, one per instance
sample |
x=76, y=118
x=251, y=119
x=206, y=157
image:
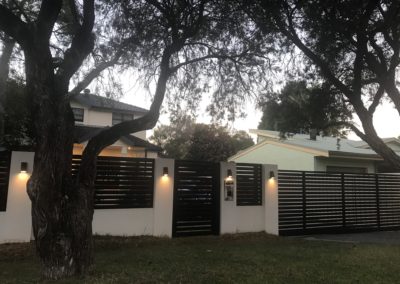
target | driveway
x=389, y=238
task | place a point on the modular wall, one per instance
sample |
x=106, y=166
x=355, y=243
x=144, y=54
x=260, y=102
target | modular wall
x=16, y=225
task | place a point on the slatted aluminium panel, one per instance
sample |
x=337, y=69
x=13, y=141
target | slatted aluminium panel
x=323, y=200
x=249, y=184
x=122, y=182
x=389, y=201
x=196, y=199
x=5, y=159
x=361, y=201
x=320, y=202
x=290, y=200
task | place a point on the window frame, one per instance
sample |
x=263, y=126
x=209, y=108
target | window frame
x=74, y=110
x=123, y=116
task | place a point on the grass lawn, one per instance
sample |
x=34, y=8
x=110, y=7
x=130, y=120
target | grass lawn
x=242, y=258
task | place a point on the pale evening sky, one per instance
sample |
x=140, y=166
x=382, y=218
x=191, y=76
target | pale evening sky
x=386, y=119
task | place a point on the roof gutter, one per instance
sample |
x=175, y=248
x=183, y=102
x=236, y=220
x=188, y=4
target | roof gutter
x=347, y=155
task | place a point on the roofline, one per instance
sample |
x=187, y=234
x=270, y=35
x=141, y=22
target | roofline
x=307, y=150
x=351, y=155
x=140, y=110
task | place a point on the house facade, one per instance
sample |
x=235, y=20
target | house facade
x=300, y=152
x=94, y=113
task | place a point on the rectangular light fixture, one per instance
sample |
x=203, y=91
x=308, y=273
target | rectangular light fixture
x=165, y=171
x=24, y=167
x=271, y=174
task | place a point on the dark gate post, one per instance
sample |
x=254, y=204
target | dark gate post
x=378, y=213
x=304, y=201
x=343, y=201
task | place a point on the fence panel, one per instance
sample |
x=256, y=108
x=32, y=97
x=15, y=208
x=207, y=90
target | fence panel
x=122, y=182
x=5, y=159
x=321, y=202
x=290, y=198
x=249, y=184
x=389, y=201
x=361, y=201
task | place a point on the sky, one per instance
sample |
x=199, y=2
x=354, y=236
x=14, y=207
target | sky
x=386, y=118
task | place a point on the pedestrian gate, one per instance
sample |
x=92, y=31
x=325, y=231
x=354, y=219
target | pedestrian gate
x=196, y=199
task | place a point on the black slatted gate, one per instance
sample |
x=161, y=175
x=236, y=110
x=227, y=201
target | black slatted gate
x=5, y=158
x=196, y=199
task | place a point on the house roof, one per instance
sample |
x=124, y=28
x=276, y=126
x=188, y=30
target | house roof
x=84, y=133
x=98, y=102
x=322, y=146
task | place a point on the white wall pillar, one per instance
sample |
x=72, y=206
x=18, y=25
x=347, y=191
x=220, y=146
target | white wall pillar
x=16, y=221
x=228, y=221
x=271, y=200
x=163, y=197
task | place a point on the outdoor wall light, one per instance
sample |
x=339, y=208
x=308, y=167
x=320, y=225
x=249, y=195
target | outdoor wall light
x=24, y=167
x=165, y=171
x=271, y=174
x=229, y=175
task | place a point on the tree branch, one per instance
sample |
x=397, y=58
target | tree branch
x=81, y=46
x=376, y=100
x=292, y=35
x=93, y=74
x=13, y=26
x=48, y=14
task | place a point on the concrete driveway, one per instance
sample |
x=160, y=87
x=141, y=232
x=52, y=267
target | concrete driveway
x=389, y=238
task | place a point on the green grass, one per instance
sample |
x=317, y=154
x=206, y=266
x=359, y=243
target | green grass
x=242, y=258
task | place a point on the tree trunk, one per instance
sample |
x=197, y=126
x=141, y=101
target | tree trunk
x=62, y=208
x=4, y=70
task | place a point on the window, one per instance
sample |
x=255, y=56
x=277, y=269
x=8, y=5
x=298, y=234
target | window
x=355, y=170
x=120, y=117
x=78, y=114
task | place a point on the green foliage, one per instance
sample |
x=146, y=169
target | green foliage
x=185, y=139
x=17, y=119
x=298, y=109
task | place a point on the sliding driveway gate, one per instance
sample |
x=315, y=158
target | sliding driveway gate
x=196, y=199
x=321, y=202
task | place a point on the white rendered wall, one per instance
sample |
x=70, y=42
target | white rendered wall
x=250, y=218
x=238, y=219
x=123, y=222
x=163, y=197
x=16, y=222
x=321, y=164
x=93, y=117
x=285, y=158
x=271, y=200
x=228, y=217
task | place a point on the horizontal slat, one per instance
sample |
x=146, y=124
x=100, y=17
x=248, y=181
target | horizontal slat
x=310, y=200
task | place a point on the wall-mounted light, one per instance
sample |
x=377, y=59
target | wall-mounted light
x=165, y=171
x=229, y=176
x=24, y=167
x=271, y=174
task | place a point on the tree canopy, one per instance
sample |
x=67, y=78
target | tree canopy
x=299, y=108
x=353, y=45
x=185, y=139
x=177, y=47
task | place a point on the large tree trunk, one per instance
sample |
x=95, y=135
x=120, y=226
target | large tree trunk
x=62, y=208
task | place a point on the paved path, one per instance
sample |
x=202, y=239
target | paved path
x=390, y=237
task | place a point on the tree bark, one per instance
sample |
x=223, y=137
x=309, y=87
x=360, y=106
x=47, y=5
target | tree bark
x=8, y=46
x=62, y=210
